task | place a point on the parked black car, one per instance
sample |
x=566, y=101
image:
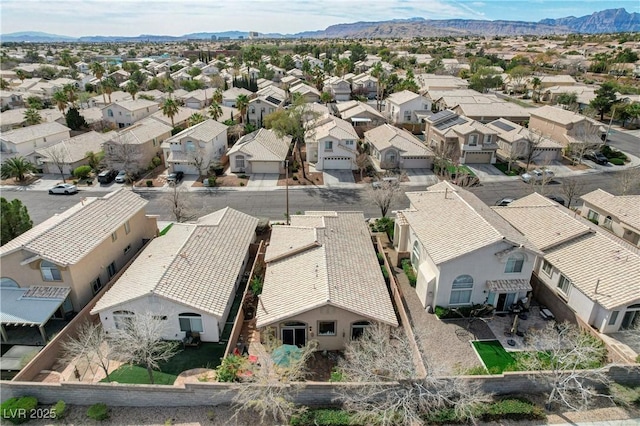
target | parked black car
x=107, y=176
x=557, y=199
x=596, y=157
x=175, y=177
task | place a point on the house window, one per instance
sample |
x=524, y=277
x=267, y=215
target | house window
x=109, y=113
x=593, y=216
x=487, y=140
x=8, y=283
x=190, y=146
x=121, y=318
x=50, y=272
x=358, y=328
x=190, y=322
x=127, y=227
x=127, y=248
x=114, y=236
x=514, y=263
x=326, y=328
x=328, y=145
x=461, y=290
x=546, y=267
x=607, y=222
x=415, y=254
x=613, y=318
x=96, y=285
x=473, y=140
x=349, y=143
x=111, y=269
x=240, y=162
x=563, y=284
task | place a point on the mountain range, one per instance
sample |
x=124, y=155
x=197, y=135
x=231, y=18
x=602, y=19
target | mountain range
x=606, y=21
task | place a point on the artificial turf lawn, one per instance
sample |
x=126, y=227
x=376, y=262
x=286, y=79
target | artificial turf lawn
x=138, y=375
x=493, y=355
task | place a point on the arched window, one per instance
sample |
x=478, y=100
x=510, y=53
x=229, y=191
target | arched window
x=514, y=263
x=357, y=329
x=461, y=290
x=190, y=322
x=8, y=283
x=50, y=272
x=121, y=318
x=415, y=254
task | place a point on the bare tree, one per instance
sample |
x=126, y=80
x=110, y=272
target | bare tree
x=585, y=139
x=201, y=159
x=390, y=390
x=571, y=360
x=140, y=341
x=362, y=162
x=121, y=153
x=178, y=203
x=383, y=194
x=59, y=156
x=572, y=188
x=91, y=344
x=528, y=146
x=268, y=390
x=445, y=153
x=627, y=180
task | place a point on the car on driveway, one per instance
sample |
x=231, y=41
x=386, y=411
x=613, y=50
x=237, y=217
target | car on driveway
x=557, y=199
x=504, y=202
x=121, y=177
x=107, y=176
x=537, y=176
x=64, y=188
x=596, y=157
x=175, y=177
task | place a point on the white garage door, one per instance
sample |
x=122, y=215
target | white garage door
x=264, y=167
x=193, y=105
x=478, y=158
x=337, y=163
x=186, y=169
x=416, y=163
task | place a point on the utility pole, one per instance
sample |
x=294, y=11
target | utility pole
x=286, y=165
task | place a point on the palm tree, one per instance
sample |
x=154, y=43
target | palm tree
x=61, y=100
x=217, y=96
x=170, y=108
x=32, y=116
x=535, y=83
x=242, y=103
x=109, y=85
x=196, y=118
x=215, y=110
x=16, y=168
x=98, y=71
x=132, y=88
x=21, y=75
x=70, y=91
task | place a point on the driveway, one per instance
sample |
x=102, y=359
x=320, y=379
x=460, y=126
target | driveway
x=421, y=176
x=488, y=173
x=338, y=178
x=262, y=180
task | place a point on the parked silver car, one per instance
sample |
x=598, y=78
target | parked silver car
x=64, y=188
x=122, y=176
x=537, y=176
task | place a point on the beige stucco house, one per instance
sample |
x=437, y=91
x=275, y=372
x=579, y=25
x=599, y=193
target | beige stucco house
x=394, y=148
x=618, y=213
x=337, y=289
x=566, y=127
x=196, y=148
x=70, y=153
x=332, y=144
x=515, y=142
x=26, y=140
x=124, y=113
x=261, y=151
x=81, y=248
x=189, y=276
x=406, y=107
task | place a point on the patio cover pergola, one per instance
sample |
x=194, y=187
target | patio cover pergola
x=509, y=286
x=32, y=306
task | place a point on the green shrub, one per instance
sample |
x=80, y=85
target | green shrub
x=511, y=409
x=336, y=375
x=322, y=417
x=385, y=273
x=625, y=395
x=446, y=313
x=295, y=178
x=98, y=411
x=380, y=258
x=17, y=410
x=256, y=285
x=409, y=272
x=149, y=183
x=476, y=371
x=384, y=224
x=156, y=161
x=210, y=181
x=243, y=176
x=228, y=369
x=616, y=161
x=82, y=172
x=58, y=410
x=241, y=183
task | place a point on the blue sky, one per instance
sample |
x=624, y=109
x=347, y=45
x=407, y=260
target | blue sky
x=177, y=17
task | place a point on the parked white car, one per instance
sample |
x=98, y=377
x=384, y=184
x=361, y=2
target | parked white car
x=537, y=176
x=64, y=188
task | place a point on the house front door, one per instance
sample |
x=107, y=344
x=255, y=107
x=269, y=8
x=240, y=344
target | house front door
x=631, y=320
x=294, y=334
x=505, y=300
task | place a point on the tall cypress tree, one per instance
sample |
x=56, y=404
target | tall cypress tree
x=14, y=219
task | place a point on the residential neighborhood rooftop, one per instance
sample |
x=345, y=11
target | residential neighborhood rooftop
x=625, y=207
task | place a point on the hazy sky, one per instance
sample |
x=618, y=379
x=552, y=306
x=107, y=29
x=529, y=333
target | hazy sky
x=178, y=17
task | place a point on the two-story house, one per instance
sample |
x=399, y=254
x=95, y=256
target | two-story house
x=71, y=153
x=365, y=84
x=230, y=96
x=566, y=127
x=359, y=114
x=133, y=148
x=332, y=144
x=464, y=140
x=515, y=142
x=25, y=140
x=405, y=107
x=81, y=249
x=196, y=148
x=123, y=114
x=581, y=266
x=463, y=252
x=618, y=213
x=261, y=106
x=339, y=88
x=309, y=94
x=393, y=148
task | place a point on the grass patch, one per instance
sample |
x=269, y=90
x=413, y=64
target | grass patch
x=207, y=355
x=494, y=356
x=133, y=374
x=504, y=168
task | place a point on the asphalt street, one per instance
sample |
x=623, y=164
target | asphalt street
x=271, y=204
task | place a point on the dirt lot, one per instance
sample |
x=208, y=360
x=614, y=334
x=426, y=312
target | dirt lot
x=296, y=179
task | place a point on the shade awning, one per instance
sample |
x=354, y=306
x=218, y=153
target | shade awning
x=30, y=306
x=509, y=286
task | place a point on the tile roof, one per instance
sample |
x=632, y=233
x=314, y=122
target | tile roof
x=400, y=98
x=334, y=127
x=557, y=115
x=37, y=131
x=447, y=236
x=196, y=265
x=262, y=145
x=506, y=109
x=624, y=207
x=183, y=114
x=141, y=132
x=16, y=116
x=352, y=109
x=386, y=136
x=67, y=238
x=205, y=131
x=135, y=105
x=341, y=270
x=75, y=148
x=518, y=133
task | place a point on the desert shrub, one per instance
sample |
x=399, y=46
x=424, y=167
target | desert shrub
x=322, y=417
x=256, y=285
x=336, y=376
x=616, y=161
x=98, y=411
x=243, y=176
x=149, y=183
x=210, y=181
x=385, y=273
x=478, y=370
x=295, y=178
x=82, y=172
x=380, y=257
x=446, y=313
x=156, y=161
x=625, y=395
x=409, y=272
x=228, y=370
x=241, y=183
x=17, y=409
x=511, y=409
x=58, y=409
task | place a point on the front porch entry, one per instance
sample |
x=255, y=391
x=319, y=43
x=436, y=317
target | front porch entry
x=294, y=333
